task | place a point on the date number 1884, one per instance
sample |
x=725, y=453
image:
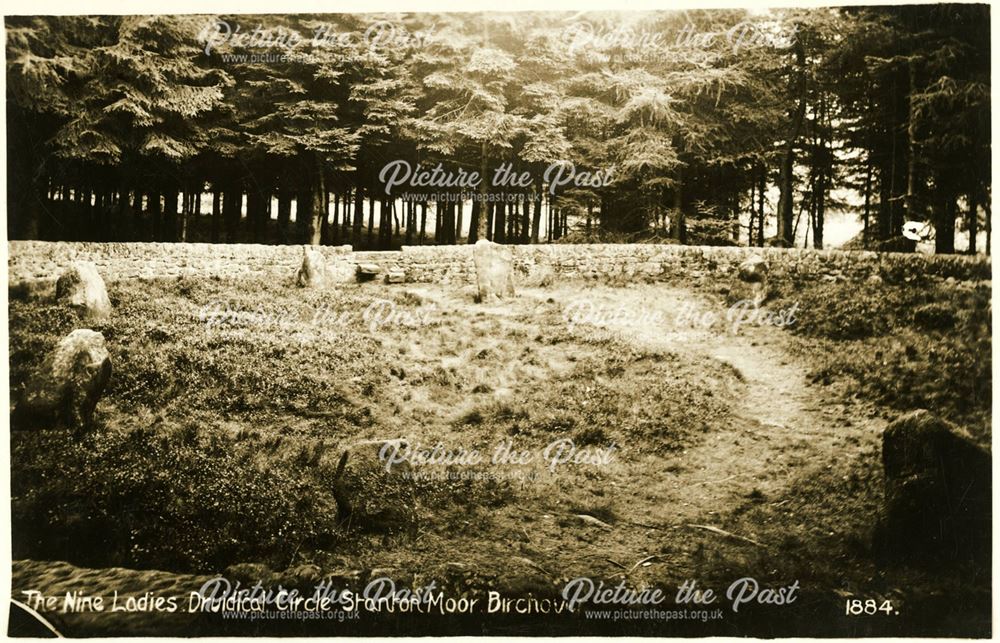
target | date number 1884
x=870, y=607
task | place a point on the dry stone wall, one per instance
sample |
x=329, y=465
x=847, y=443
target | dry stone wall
x=31, y=261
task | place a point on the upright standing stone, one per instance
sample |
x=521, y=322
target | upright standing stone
x=312, y=274
x=937, y=492
x=83, y=288
x=750, y=283
x=373, y=488
x=494, y=270
x=754, y=269
x=341, y=271
x=64, y=391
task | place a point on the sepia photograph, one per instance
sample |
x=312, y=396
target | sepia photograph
x=526, y=320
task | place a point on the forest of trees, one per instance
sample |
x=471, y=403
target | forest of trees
x=125, y=127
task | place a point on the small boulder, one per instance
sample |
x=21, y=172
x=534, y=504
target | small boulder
x=64, y=391
x=304, y=578
x=937, y=492
x=395, y=277
x=538, y=275
x=368, y=271
x=312, y=274
x=249, y=574
x=896, y=244
x=83, y=288
x=494, y=270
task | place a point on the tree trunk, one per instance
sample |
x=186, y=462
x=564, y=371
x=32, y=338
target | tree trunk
x=324, y=223
x=884, y=202
x=123, y=205
x=499, y=222
x=371, y=221
x=944, y=228
x=973, y=217
x=536, y=217
x=186, y=215
x=335, y=230
x=453, y=208
x=359, y=214
x=821, y=187
x=384, y=224
x=820, y=213
x=989, y=225
x=549, y=219
x=154, y=209
x=170, y=215
x=304, y=212
x=423, y=222
x=912, y=201
x=474, y=221
x=525, y=220
x=410, y=220
x=786, y=209
x=232, y=210
x=868, y=200
x=216, y=213
x=284, y=213
x=678, y=229
x=482, y=224
x=813, y=200
x=761, y=190
x=256, y=213
x=437, y=222
x=317, y=204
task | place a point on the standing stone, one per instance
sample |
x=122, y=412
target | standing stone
x=341, y=271
x=374, y=487
x=937, y=492
x=83, y=288
x=753, y=269
x=494, y=270
x=750, y=283
x=64, y=391
x=312, y=274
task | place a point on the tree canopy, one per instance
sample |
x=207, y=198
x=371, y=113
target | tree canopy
x=690, y=119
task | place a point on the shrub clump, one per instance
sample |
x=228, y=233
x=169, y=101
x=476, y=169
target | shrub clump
x=148, y=498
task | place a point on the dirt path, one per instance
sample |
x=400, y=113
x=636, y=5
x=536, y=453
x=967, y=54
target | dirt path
x=785, y=426
x=788, y=428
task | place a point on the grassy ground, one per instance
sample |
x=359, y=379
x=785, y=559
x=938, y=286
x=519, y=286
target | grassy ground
x=218, y=443
x=923, y=344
